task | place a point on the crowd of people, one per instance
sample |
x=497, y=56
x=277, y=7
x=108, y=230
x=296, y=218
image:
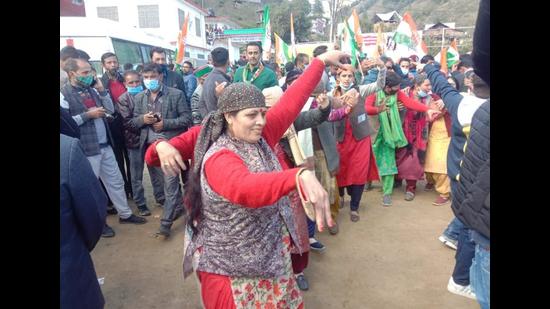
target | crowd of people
x=306, y=134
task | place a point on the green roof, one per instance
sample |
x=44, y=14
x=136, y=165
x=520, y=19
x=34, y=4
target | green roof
x=244, y=31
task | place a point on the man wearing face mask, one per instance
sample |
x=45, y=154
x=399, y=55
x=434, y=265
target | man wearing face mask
x=189, y=80
x=402, y=70
x=169, y=78
x=161, y=113
x=88, y=107
x=125, y=107
x=255, y=72
x=113, y=80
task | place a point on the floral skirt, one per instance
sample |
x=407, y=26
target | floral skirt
x=281, y=292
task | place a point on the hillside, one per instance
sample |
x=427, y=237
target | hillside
x=462, y=12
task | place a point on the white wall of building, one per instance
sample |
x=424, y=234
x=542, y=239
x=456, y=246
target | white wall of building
x=169, y=26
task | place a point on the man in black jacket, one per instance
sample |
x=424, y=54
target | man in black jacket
x=472, y=201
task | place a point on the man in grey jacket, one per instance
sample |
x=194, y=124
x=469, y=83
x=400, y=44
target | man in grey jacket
x=209, y=101
x=90, y=107
x=160, y=112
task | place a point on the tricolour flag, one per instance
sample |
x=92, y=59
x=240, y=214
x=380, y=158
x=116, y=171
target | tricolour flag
x=283, y=54
x=407, y=35
x=451, y=54
x=266, y=42
x=181, y=41
x=292, y=40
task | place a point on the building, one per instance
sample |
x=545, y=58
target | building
x=72, y=8
x=161, y=18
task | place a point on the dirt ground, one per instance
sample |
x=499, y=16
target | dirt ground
x=391, y=258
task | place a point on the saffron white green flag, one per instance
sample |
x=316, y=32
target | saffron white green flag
x=283, y=53
x=452, y=54
x=266, y=42
x=407, y=35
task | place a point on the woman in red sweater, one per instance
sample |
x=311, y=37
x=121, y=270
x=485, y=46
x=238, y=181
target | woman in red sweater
x=240, y=217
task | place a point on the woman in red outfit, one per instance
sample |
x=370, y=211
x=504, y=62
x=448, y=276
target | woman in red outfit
x=357, y=164
x=240, y=217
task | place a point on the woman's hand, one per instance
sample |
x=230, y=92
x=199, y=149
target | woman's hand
x=314, y=192
x=171, y=161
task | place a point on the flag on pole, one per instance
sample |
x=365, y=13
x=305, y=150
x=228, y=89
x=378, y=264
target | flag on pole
x=182, y=36
x=292, y=40
x=266, y=42
x=407, y=35
x=451, y=55
x=283, y=53
x=349, y=44
x=353, y=21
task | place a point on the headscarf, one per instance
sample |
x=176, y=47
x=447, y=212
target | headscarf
x=235, y=97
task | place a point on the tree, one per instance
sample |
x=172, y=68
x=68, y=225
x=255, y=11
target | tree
x=317, y=10
x=280, y=20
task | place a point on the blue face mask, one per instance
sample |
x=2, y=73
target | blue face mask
x=422, y=94
x=151, y=84
x=405, y=71
x=346, y=88
x=135, y=90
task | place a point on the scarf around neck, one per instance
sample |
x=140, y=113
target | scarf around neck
x=390, y=122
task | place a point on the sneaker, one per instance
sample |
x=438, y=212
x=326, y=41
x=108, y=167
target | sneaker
x=461, y=290
x=107, y=231
x=354, y=216
x=409, y=196
x=447, y=241
x=164, y=231
x=429, y=187
x=333, y=230
x=143, y=210
x=440, y=201
x=112, y=211
x=316, y=245
x=386, y=200
x=132, y=219
x=302, y=282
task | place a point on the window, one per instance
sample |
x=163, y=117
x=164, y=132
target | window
x=78, y=2
x=200, y=56
x=127, y=52
x=181, y=18
x=187, y=54
x=198, y=27
x=148, y=16
x=109, y=12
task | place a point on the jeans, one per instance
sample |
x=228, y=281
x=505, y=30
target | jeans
x=453, y=229
x=174, y=198
x=105, y=167
x=464, y=254
x=136, y=171
x=310, y=228
x=480, y=271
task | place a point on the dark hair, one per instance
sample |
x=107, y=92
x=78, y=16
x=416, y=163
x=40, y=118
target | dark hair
x=130, y=72
x=80, y=54
x=419, y=79
x=427, y=58
x=67, y=52
x=139, y=68
x=152, y=67
x=300, y=57
x=289, y=66
x=171, y=66
x=220, y=56
x=454, y=80
x=392, y=79
x=127, y=66
x=319, y=50
x=293, y=75
x=157, y=50
x=465, y=61
x=254, y=44
x=386, y=59
x=189, y=63
x=404, y=59
x=107, y=55
x=481, y=89
x=72, y=64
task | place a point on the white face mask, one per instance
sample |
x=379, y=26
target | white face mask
x=405, y=71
